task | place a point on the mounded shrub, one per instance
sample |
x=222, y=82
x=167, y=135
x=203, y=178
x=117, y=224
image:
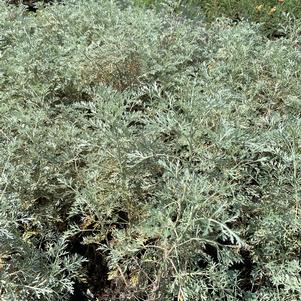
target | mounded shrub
x=145, y=156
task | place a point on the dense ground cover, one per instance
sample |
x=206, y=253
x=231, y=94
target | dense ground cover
x=145, y=156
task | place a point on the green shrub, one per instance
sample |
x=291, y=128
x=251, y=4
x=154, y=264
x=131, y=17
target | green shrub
x=276, y=15
x=146, y=156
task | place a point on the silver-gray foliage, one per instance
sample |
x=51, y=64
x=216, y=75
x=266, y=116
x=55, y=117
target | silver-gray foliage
x=170, y=146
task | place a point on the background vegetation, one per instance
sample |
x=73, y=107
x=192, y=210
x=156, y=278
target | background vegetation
x=275, y=15
x=147, y=156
